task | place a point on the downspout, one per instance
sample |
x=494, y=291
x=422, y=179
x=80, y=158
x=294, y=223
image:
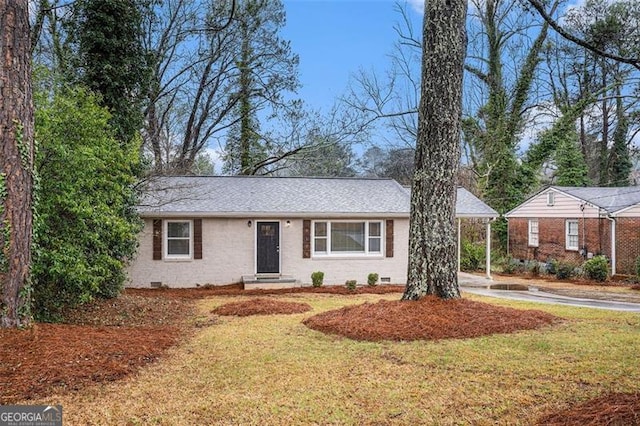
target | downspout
x=613, y=245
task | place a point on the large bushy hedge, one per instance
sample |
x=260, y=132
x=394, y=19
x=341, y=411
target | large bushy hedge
x=86, y=224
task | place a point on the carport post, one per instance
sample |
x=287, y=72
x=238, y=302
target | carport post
x=459, y=220
x=488, y=255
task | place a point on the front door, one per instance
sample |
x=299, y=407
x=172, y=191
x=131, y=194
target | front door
x=268, y=248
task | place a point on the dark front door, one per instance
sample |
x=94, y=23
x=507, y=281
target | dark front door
x=268, y=248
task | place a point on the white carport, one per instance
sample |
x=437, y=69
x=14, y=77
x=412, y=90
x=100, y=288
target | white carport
x=470, y=206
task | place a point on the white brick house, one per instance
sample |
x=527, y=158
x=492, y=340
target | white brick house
x=270, y=231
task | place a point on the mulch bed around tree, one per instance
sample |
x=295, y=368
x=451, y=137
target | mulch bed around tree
x=619, y=409
x=429, y=318
x=261, y=307
x=101, y=342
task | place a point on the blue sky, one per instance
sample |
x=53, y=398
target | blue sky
x=336, y=38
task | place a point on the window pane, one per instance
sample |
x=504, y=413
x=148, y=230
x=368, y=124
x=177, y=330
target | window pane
x=374, y=229
x=320, y=245
x=175, y=247
x=573, y=241
x=573, y=228
x=320, y=229
x=178, y=229
x=347, y=236
x=374, y=245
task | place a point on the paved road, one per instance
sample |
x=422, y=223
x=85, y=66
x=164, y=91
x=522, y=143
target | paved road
x=479, y=285
x=543, y=297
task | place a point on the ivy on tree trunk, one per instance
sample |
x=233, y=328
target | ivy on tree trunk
x=432, y=233
x=16, y=162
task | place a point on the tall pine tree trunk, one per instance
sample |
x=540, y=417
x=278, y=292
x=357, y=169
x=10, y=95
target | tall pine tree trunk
x=432, y=233
x=16, y=161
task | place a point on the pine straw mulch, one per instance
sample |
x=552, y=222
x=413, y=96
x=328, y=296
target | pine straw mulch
x=261, y=307
x=429, y=318
x=619, y=409
x=101, y=342
x=237, y=290
x=110, y=339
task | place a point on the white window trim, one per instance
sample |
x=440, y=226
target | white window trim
x=165, y=243
x=366, y=253
x=566, y=235
x=535, y=243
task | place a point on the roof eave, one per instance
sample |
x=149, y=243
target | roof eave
x=175, y=214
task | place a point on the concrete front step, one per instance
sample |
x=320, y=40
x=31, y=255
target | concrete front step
x=269, y=282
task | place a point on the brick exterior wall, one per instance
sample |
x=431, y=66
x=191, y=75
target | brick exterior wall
x=627, y=244
x=592, y=233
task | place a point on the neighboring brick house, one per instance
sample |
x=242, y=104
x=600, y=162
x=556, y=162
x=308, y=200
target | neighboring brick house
x=574, y=224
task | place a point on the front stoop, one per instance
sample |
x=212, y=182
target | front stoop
x=269, y=282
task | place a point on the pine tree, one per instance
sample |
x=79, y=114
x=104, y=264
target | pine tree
x=432, y=235
x=572, y=167
x=16, y=163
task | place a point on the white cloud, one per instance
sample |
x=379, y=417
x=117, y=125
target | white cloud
x=417, y=5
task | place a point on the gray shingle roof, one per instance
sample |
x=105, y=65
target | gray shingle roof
x=610, y=199
x=246, y=196
x=292, y=196
x=468, y=205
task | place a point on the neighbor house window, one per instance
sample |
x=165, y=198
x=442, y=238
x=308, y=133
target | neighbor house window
x=179, y=239
x=571, y=236
x=348, y=237
x=533, y=233
x=551, y=198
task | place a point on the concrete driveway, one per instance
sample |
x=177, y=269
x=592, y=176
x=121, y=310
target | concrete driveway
x=481, y=286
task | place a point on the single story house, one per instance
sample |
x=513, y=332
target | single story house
x=576, y=223
x=274, y=231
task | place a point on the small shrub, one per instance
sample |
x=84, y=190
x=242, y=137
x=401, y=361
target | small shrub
x=317, y=278
x=638, y=267
x=507, y=265
x=534, y=268
x=372, y=279
x=596, y=268
x=351, y=284
x=564, y=270
x=550, y=266
x=472, y=256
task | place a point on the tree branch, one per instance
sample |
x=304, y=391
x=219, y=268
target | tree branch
x=565, y=34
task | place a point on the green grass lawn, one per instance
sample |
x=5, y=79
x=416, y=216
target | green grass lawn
x=274, y=370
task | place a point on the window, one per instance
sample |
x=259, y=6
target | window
x=551, y=198
x=178, y=244
x=349, y=237
x=533, y=233
x=571, y=235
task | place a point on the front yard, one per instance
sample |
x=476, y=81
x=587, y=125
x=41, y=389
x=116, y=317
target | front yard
x=274, y=370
